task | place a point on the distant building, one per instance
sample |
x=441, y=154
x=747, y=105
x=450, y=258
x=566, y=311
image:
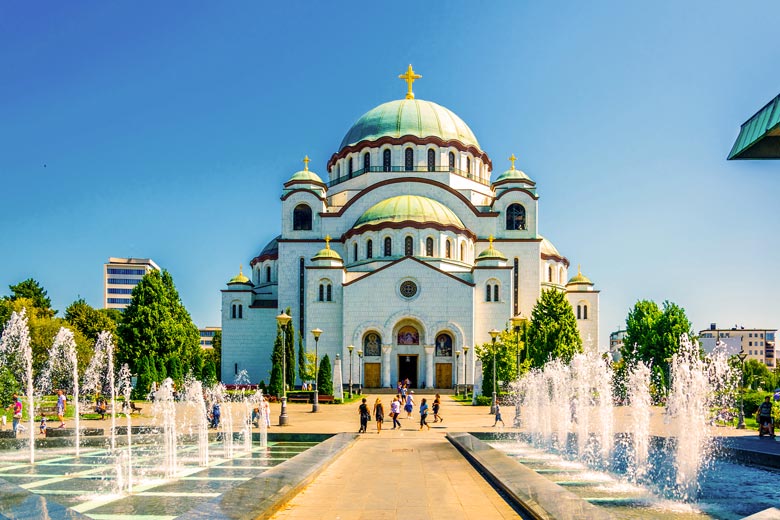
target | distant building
x=207, y=336
x=759, y=136
x=120, y=276
x=616, y=344
x=758, y=344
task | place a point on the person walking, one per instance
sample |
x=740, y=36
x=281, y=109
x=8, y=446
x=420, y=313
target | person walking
x=61, y=405
x=436, y=406
x=409, y=406
x=379, y=414
x=424, y=414
x=498, y=416
x=395, y=411
x=364, y=416
x=16, y=407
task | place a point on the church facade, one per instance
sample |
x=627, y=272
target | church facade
x=411, y=253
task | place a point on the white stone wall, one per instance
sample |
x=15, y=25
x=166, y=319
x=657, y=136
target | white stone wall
x=589, y=328
x=247, y=343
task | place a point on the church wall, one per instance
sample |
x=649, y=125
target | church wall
x=326, y=316
x=491, y=315
x=589, y=329
x=247, y=342
x=531, y=214
x=288, y=205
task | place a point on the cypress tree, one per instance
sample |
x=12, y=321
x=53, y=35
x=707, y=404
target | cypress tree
x=324, y=377
x=275, y=384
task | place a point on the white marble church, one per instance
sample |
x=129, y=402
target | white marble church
x=411, y=252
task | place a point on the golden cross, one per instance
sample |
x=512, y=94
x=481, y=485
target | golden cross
x=579, y=269
x=512, y=159
x=240, y=269
x=490, y=239
x=306, y=163
x=327, y=241
x=409, y=77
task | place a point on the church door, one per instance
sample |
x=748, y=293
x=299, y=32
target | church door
x=443, y=375
x=407, y=368
x=372, y=375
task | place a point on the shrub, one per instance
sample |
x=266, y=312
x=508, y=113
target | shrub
x=324, y=377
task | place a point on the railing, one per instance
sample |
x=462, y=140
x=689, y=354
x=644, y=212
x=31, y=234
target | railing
x=402, y=169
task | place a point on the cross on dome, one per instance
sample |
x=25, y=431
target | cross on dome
x=306, y=163
x=490, y=239
x=327, y=241
x=409, y=77
x=512, y=159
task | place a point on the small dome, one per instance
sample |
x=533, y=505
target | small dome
x=409, y=208
x=579, y=278
x=513, y=175
x=415, y=117
x=549, y=249
x=306, y=176
x=240, y=277
x=269, y=252
x=491, y=253
x=327, y=253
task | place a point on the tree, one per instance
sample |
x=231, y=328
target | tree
x=91, y=321
x=506, y=360
x=215, y=353
x=301, y=359
x=209, y=373
x=653, y=336
x=32, y=290
x=145, y=379
x=290, y=352
x=553, y=330
x=156, y=323
x=324, y=377
x=275, y=384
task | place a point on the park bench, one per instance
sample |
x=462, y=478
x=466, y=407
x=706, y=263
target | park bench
x=48, y=411
x=325, y=398
x=299, y=399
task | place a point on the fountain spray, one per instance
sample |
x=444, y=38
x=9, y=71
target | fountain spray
x=15, y=351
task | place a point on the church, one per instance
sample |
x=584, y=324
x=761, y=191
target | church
x=405, y=258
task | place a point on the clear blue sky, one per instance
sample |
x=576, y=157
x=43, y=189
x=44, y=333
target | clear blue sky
x=166, y=130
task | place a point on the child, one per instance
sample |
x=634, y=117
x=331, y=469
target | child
x=498, y=416
x=43, y=425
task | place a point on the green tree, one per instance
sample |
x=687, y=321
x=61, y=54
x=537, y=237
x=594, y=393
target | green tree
x=8, y=386
x=506, y=361
x=553, y=330
x=290, y=352
x=275, y=383
x=174, y=370
x=144, y=382
x=301, y=359
x=90, y=321
x=215, y=353
x=33, y=291
x=324, y=377
x=209, y=373
x=156, y=323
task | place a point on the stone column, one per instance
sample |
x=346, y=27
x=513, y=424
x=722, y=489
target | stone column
x=429, y=382
x=386, y=349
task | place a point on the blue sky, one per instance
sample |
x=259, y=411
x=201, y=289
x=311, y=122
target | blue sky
x=166, y=130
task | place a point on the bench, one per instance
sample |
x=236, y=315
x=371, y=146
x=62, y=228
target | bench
x=325, y=399
x=299, y=399
x=48, y=410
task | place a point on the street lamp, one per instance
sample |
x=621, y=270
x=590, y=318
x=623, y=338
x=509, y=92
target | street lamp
x=315, y=407
x=457, y=372
x=283, y=319
x=466, y=371
x=519, y=322
x=360, y=372
x=742, y=355
x=350, y=348
x=493, y=335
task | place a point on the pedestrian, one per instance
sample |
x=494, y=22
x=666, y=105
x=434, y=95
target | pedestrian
x=498, y=415
x=267, y=412
x=43, y=425
x=216, y=414
x=364, y=416
x=409, y=406
x=424, y=414
x=17, y=411
x=395, y=411
x=61, y=405
x=436, y=406
x=379, y=414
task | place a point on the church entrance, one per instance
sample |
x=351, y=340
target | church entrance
x=407, y=368
x=443, y=375
x=372, y=375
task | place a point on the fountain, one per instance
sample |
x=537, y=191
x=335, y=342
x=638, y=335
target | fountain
x=126, y=389
x=62, y=355
x=193, y=396
x=16, y=353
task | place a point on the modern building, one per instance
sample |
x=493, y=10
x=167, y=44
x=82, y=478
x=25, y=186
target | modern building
x=207, y=336
x=616, y=344
x=412, y=251
x=120, y=276
x=758, y=344
x=759, y=136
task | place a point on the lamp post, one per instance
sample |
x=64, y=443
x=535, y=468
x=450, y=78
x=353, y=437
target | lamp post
x=315, y=407
x=742, y=355
x=519, y=322
x=466, y=371
x=457, y=372
x=350, y=348
x=493, y=335
x=360, y=372
x=283, y=319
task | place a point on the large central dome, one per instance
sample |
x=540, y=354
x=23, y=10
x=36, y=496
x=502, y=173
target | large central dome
x=415, y=117
x=409, y=208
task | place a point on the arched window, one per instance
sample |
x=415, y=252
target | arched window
x=354, y=256
x=302, y=218
x=495, y=293
x=408, y=246
x=233, y=313
x=322, y=293
x=549, y=273
x=584, y=312
x=329, y=290
x=561, y=277
x=388, y=246
x=468, y=164
x=349, y=168
x=268, y=273
x=366, y=161
x=452, y=161
x=488, y=293
x=431, y=160
x=240, y=312
x=386, y=163
x=369, y=249
x=448, y=249
x=462, y=251
x=409, y=159
x=515, y=217
x=429, y=246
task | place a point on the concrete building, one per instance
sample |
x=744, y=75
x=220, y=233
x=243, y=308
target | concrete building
x=207, y=336
x=120, y=276
x=411, y=252
x=758, y=344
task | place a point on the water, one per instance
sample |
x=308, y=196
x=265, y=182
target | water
x=61, y=366
x=126, y=389
x=16, y=353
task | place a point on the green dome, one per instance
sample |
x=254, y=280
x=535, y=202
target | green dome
x=513, y=174
x=306, y=176
x=491, y=254
x=327, y=254
x=409, y=117
x=406, y=208
x=580, y=278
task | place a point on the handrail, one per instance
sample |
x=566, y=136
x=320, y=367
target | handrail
x=402, y=169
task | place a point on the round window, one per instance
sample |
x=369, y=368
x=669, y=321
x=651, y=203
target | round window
x=408, y=289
